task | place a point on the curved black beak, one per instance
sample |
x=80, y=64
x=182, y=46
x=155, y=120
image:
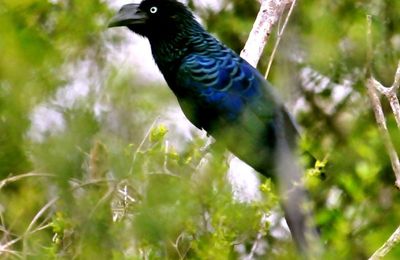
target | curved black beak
x=127, y=15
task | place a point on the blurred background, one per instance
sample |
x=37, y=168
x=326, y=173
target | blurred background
x=98, y=161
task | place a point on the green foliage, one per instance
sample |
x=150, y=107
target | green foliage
x=119, y=184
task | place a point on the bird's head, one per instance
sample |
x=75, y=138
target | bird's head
x=152, y=18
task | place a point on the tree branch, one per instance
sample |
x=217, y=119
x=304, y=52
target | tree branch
x=391, y=94
x=279, y=37
x=270, y=12
x=373, y=87
x=387, y=246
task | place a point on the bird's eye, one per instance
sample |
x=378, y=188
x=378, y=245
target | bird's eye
x=153, y=10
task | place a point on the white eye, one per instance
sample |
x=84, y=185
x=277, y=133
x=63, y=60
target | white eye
x=153, y=10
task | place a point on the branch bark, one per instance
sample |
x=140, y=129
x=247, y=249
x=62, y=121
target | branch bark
x=391, y=94
x=279, y=37
x=374, y=87
x=387, y=246
x=269, y=14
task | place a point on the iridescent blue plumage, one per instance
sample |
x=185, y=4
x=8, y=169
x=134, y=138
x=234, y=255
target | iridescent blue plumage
x=225, y=83
x=220, y=92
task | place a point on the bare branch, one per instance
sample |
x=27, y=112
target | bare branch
x=40, y=214
x=142, y=143
x=395, y=105
x=260, y=235
x=396, y=83
x=21, y=176
x=381, y=121
x=278, y=40
x=387, y=246
x=391, y=94
x=373, y=86
x=269, y=14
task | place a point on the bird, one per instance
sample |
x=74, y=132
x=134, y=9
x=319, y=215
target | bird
x=221, y=93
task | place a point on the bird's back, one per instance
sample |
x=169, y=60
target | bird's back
x=222, y=93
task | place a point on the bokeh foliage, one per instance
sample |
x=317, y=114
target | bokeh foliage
x=110, y=180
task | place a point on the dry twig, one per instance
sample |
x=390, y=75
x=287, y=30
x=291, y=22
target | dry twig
x=279, y=37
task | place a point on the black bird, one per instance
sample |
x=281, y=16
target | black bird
x=223, y=94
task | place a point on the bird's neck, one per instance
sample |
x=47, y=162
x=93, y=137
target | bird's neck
x=169, y=52
x=171, y=47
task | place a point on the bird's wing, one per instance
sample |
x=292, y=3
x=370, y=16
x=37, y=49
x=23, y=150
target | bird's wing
x=228, y=88
x=227, y=84
x=262, y=133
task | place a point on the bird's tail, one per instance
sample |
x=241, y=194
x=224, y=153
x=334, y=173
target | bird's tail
x=293, y=195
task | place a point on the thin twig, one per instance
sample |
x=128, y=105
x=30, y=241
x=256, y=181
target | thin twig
x=102, y=200
x=5, y=247
x=37, y=216
x=279, y=37
x=176, y=247
x=21, y=176
x=142, y=143
x=40, y=213
x=11, y=252
x=259, y=237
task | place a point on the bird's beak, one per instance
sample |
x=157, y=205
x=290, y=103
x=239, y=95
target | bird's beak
x=127, y=15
